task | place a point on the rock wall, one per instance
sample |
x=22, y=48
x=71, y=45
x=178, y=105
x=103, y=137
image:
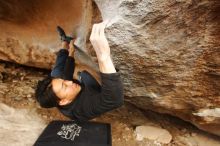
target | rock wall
x=167, y=51
x=28, y=29
x=168, y=54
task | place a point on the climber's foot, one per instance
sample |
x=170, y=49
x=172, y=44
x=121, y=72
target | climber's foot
x=63, y=36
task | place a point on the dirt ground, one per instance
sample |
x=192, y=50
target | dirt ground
x=17, y=84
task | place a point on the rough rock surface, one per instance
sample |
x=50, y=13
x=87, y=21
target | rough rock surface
x=168, y=54
x=167, y=51
x=28, y=29
x=153, y=133
x=19, y=126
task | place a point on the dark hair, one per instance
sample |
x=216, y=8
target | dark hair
x=45, y=94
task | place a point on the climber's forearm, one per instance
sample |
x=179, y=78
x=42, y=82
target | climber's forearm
x=106, y=65
x=102, y=48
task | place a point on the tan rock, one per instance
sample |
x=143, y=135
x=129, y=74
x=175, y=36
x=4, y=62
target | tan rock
x=153, y=133
x=19, y=126
x=28, y=34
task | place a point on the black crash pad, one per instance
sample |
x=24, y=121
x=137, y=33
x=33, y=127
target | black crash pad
x=71, y=133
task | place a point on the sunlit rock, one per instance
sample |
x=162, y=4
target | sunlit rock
x=19, y=126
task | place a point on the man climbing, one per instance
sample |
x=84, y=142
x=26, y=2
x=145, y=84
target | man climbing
x=82, y=99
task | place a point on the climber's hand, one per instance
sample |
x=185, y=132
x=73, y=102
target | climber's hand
x=99, y=41
x=102, y=48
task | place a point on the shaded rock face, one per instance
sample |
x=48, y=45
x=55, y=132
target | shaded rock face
x=167, y=51
x=168, y=54
x=28, y=29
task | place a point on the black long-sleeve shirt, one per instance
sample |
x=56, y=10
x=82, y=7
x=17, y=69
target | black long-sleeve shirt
x=91, y=103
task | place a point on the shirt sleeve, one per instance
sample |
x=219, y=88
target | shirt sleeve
x=110, y=97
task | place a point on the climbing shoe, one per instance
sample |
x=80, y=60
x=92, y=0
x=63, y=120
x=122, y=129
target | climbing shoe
x=63, y=36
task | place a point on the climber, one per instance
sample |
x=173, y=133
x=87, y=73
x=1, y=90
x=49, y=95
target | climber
x=84, y=98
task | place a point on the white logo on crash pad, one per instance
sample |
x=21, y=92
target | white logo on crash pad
x=69, y=131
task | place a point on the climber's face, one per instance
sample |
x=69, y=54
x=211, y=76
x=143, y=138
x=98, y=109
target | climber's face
x=65, y=90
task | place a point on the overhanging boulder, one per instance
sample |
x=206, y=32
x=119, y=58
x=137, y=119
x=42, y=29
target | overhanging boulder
x=28, y=29
x=168, y=54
